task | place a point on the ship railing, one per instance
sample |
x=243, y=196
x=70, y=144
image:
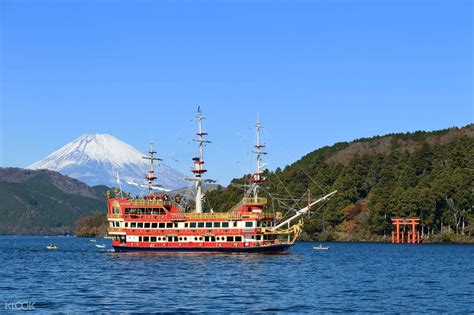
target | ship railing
x=115, y=230
x=155, y=203
x=145, y=202
x=220, y=216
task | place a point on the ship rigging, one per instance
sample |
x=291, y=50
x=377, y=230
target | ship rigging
x=157, y=223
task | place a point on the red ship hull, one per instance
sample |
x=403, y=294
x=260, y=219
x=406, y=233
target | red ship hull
x=272, y=249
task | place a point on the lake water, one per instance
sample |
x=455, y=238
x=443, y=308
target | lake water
x=80, y=277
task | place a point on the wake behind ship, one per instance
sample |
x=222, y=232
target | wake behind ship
x=159, y=223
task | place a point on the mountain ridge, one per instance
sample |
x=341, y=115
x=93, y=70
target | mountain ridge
x=423, y=174
x=44, y=202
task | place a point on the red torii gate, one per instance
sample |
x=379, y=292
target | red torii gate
x=413, y=236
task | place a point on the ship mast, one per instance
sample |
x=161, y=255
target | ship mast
x=257, y=176
x=199, y=162
x=150, y=177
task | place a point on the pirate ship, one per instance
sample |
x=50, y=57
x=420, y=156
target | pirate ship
x=159, y=223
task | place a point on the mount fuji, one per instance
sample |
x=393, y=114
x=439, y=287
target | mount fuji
x=95, y=159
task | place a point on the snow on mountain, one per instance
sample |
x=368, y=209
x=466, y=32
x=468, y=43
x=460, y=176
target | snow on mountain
x=96, y=158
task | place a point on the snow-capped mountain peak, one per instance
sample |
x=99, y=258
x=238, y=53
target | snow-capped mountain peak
x=99, y=147
x=96, y=158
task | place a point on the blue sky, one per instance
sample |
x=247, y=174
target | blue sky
x=318, y=72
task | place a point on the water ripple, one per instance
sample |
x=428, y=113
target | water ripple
x=367, y=278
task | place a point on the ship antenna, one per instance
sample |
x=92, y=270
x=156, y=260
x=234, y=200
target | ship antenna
x=150, y=177
x=258, y=179
x=199, y=161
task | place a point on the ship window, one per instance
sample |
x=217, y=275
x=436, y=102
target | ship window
x=225, y=224
x=133, y=224
x=200, y=238
x=169, y=225
x=217, y=224
x=158, y=211
x=186, y=225
x=175, y=225
x=200, y=224
x=162, y=225
x=117, y=210
x=139, y=238
x=147, y=225
x=146, y=239
x=180, y=239
x=195, y=238
x=140, y=225
x=170, y=238
x=158, y=238
x=238, y=238
x=208, y=224
x=153, y=239
x=126, y=224
x=193, y=224
x=248, y=224
x=259, y=237
x=230, y=238
x=154, y=225
x=235, y=223
x=185, y=238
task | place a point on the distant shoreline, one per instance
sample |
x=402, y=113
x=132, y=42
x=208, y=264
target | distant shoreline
x=462, y=240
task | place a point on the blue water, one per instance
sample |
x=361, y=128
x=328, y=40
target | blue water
x=80, y=277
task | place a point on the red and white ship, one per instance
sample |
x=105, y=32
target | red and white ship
x=158, y=223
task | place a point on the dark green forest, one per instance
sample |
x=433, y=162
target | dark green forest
x=423, y=174
x=44, y=202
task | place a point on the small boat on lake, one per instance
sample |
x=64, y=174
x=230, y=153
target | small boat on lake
x=320, y=247
x=52, y=247
x=93, y=241
x=100, y=246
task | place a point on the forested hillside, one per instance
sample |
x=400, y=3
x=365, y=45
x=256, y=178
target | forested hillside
x=423, y=174
x=45, y=202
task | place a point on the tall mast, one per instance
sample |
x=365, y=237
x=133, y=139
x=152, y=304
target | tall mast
x=199, y=162
x=257, y=176
x=150, y=177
